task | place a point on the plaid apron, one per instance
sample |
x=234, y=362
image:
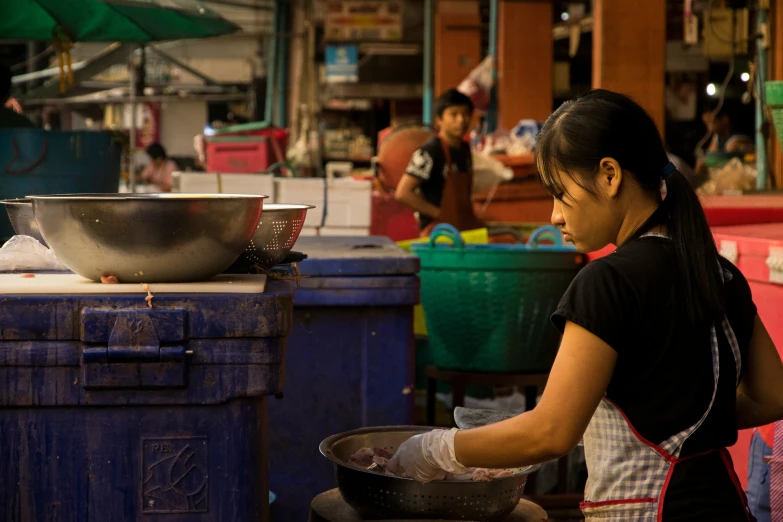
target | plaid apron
x=627, y=474
x=776, y=474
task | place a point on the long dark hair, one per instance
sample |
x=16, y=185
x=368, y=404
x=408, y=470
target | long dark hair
x=601, y=124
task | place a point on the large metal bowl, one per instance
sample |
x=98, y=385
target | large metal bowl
x=386, y=496
x=20, y=212
x=148, y=238
x=274, y=238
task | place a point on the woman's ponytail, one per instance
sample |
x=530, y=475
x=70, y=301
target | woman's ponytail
x=699, y=271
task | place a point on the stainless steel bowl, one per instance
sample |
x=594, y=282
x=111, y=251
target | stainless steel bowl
x=376, y=495
x=20, y=212
x=148, y=238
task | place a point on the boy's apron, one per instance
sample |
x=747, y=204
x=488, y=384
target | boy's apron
x=456, y=205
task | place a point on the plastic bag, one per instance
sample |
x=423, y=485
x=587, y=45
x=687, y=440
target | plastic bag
x=26, y=253
x=478, y=85
x=734, y=177
x=488, y=172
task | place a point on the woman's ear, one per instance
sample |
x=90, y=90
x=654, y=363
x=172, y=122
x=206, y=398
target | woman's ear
x=610, y=177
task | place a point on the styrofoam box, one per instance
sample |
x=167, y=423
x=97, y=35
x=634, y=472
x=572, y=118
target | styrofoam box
x=349, y=205
x=332, y=231
x=207, y=183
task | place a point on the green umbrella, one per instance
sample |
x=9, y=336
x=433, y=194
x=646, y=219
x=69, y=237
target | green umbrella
x=67, y=21
x=110, y=20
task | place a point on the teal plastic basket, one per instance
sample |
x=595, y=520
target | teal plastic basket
x=487, y=307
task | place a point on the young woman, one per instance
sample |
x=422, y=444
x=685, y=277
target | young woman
x=662, y=358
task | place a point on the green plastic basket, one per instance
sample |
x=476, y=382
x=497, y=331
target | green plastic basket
x=774, y=99
x=487, y=307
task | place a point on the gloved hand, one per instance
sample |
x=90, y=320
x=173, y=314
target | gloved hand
x=427, y=457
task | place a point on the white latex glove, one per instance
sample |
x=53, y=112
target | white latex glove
x=427, y=457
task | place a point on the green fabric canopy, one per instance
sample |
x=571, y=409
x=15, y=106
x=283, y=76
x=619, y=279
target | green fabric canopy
x=110, y=20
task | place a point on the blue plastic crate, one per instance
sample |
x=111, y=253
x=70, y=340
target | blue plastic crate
x=35, y=161
x=350, y=360
x=112, y=411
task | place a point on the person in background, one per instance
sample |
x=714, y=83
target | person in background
x=159, y=170
x=724, y=139
x=10, y=110
x=439, y=179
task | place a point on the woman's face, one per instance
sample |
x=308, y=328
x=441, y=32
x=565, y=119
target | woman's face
x=590, y=221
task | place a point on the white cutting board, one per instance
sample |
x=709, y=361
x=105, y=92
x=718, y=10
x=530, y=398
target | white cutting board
x=72, y=284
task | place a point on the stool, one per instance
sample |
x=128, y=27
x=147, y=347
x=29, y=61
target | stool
x=330, y=507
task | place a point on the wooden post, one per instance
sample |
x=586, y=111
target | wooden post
x=775, y=73
x=457, y=42
x=629, y=52
x=525, y=55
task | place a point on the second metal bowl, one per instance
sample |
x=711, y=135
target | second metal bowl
x=148, y=238
x=273, y=239
x=386, y=496
x=20, y=212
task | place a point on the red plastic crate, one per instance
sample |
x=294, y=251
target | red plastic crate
x=743, y=210
x=392, y=219
x=749, y=247
x=246, y=151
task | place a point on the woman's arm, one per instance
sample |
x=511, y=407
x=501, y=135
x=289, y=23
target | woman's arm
x=760, y=392
x=576, y=384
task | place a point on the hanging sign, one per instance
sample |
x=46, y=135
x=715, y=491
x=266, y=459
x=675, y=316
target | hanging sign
x=363, y=20
x=342, y=64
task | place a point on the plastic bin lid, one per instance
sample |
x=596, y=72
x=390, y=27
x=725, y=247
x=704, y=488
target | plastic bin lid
x=354, y=256
x=234, y=139
x=764, y=231
x=246, y=127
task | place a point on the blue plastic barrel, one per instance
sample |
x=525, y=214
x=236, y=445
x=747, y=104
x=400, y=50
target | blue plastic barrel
x=113, y=411
x=350, y=359
x=35, y=161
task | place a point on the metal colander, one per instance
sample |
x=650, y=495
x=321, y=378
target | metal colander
x=20, y=212
x=274, y=237
x=384, y=496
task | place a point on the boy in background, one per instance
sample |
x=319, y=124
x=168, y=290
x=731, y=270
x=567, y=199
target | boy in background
x=438, y=181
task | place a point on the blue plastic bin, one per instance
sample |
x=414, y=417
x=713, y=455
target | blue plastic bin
x=35, y=161
x=111, y=411
x=350, y=360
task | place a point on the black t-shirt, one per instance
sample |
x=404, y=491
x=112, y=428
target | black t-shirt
x=428, y=165
x=663, y=378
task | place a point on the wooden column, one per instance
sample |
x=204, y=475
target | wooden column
x=525, y=54
x=629, y=51
x=775, y=73
x=295, y=68
x=457, y=42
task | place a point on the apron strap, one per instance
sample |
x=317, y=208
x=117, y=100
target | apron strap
x=447, y=155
